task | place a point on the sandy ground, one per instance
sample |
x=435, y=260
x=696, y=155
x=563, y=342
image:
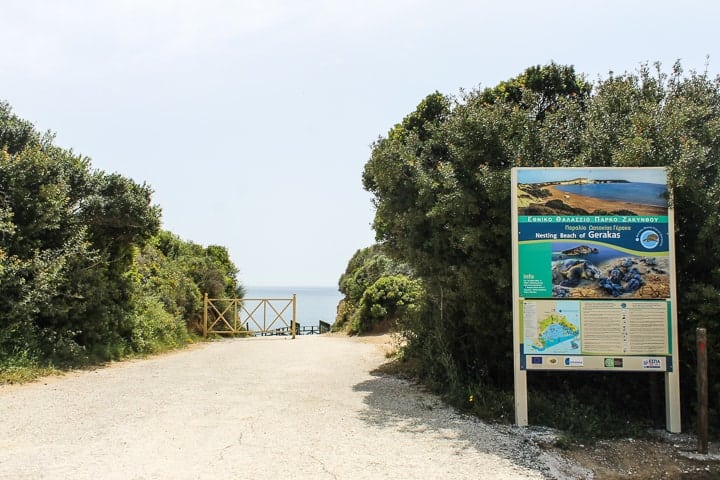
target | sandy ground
x=261, y=408
x=590, y=204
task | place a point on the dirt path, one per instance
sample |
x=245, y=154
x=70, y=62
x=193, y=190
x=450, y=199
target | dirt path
x=263, y=408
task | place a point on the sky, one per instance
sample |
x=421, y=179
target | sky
x=641, y=175
x=252, y=119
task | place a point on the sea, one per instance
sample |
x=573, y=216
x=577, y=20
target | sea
x=634, y=192
x=313, y=303
x=604, y=254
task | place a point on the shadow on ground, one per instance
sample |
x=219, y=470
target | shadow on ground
x=398, y=404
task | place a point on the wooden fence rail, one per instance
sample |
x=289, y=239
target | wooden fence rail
x=256, y=317
x=249, y=316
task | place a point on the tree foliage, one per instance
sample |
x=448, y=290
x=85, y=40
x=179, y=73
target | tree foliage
x=441, y=186
x=377, y=289
x=83, y=274
x=390, y=298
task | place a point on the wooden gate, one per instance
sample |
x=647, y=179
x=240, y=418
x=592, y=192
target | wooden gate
x=250, y=316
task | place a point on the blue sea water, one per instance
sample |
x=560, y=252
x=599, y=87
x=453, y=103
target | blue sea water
x=313, y=303
x=553, y=341
x=603, y=254
x=634, y=192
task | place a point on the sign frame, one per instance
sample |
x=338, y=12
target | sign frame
x=594, y=284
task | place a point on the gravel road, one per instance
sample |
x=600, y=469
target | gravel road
x=260, y=408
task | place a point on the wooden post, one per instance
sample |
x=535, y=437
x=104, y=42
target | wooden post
x=205, y=303
x=672, y=379
x=702, y=387
x=294, y=305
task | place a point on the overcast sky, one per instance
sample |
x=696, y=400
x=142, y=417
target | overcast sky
x=252, y=120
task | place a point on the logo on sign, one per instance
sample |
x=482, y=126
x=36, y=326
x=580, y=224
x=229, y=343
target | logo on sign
x=574, y=361
x=651, y=363
x=536, y=360
x=613, y=362
x=650, y=238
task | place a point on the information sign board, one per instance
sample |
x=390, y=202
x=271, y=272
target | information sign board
x=593, y=269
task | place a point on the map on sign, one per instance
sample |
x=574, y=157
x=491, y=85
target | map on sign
x=552, y=327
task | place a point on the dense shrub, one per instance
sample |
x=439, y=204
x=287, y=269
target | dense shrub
x=377, y=290
x=85, y=273
x=390, y=298
x=441, y=182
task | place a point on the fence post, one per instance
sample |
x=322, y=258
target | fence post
x=294, y=317
x=205, y=305
x=702, y=387
x=236, y=323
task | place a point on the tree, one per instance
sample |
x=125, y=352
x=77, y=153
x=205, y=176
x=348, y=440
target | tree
x=15, y=133
x=549, y=84
x=440, y=181
x=368, y=269
x=80, y=275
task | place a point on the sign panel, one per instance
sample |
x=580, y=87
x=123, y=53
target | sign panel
x=561, y=334
x=593, y=268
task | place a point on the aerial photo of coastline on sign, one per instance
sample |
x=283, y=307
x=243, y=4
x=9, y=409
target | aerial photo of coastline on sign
x=602, y=233
x=591, y=196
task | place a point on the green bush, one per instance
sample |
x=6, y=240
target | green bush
x=85, y=273
x=368, y=300
x=391, y=298
x=154, y=328
x=441, y=186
